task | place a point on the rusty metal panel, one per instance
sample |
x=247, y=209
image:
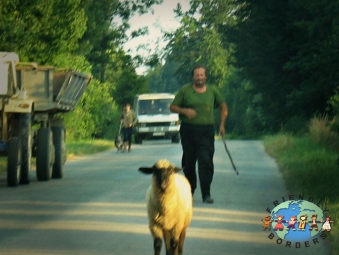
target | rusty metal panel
x=38, y=83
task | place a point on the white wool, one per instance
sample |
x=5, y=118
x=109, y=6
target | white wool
x=170, y=209
x=173, y=207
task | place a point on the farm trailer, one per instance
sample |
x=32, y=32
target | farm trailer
x=31, y=98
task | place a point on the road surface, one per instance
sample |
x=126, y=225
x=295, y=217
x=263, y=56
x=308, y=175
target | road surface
x=98, y=207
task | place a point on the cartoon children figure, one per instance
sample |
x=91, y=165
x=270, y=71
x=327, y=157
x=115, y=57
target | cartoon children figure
x=327, y=225
x=292, y=222
x=267, y=223
x=302, y=222
x=279, y=225
x=314, y=222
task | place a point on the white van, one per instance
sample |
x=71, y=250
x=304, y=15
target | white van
x=154, y=118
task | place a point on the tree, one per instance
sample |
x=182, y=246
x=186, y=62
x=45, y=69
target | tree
x=40, y=30
x=127, y=83
x=93, y=114
x=162, y=78
x=193, y=44
x=287, y=51
x=82, y=35
x=106, y=30
x=314, y=30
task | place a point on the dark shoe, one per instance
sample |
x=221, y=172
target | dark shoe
x=208, y=200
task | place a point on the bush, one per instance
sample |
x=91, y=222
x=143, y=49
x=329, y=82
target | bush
x=93, y=114
x=321, y=132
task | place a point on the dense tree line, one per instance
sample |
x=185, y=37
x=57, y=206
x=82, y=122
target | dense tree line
x=86, y=35
x=275, y=61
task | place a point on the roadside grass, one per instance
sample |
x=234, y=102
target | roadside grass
x=87, y=147
x=74, y=149
x=309, y=167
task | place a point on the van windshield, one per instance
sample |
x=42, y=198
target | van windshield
x=154, y=106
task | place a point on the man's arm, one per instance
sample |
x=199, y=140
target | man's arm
x=190, y=113
x=223, y=116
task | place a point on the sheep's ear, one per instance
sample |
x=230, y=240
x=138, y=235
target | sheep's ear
x=177, y=169
x=146, y=170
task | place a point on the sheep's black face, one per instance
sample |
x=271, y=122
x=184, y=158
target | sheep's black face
x=162, y=171
x=162, y=177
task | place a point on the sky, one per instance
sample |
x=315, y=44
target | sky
x=163, y=18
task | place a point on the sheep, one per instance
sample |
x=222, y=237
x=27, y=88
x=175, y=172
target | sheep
x=169, y=206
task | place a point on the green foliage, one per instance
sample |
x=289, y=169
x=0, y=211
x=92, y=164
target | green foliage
x=286, y=51
x=260, y=40
x=163, y=78
x=315, y=32
x=72, y=62
x=106, y=31
x=302, y=161
x=295, y=125
x=101, y=38
x=87, y=147
x=334, y=103
x=321, y=132
x=275, y=62
x=243, y=120
x=40, y=30
x=85, y=35
x=192, y=44
x=126, y=83
x=93, y=114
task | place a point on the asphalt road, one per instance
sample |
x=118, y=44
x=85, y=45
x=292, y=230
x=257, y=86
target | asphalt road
x=98, y=207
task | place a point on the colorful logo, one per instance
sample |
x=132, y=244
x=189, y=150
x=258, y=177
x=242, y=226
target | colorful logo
x=298, y=222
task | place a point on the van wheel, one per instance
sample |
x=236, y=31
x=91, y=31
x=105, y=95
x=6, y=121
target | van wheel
x=176, y=138
x=138, y=139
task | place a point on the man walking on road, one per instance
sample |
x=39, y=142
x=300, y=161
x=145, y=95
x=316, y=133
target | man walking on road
x=195, y=104
x=128, y=119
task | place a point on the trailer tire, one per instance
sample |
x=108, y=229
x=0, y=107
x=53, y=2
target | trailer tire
x=26, y=147
x=13, y=162
x=45, y=154
x=60, y=151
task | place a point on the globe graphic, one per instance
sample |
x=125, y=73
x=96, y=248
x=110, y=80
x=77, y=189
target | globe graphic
x=296, y=208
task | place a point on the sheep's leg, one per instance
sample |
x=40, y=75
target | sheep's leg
x=171, y=243
x=157, y=246
x=174, y=246
x=171, y=240
x=167, y=237
x=157, y=237
x=181, y=242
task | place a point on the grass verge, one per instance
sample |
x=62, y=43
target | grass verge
x=309, y=169
x=87, y=147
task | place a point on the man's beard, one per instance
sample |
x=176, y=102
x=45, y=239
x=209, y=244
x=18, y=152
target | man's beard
x=199, y=83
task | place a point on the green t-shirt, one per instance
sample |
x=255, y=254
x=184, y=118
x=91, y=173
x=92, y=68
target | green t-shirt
x=202, y=103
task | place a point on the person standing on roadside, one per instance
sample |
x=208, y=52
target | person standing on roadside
x=195, y=104
x=128, y=120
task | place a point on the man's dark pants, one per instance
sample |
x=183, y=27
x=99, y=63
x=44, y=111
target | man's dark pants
x=127, y=133
x=198, y=145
